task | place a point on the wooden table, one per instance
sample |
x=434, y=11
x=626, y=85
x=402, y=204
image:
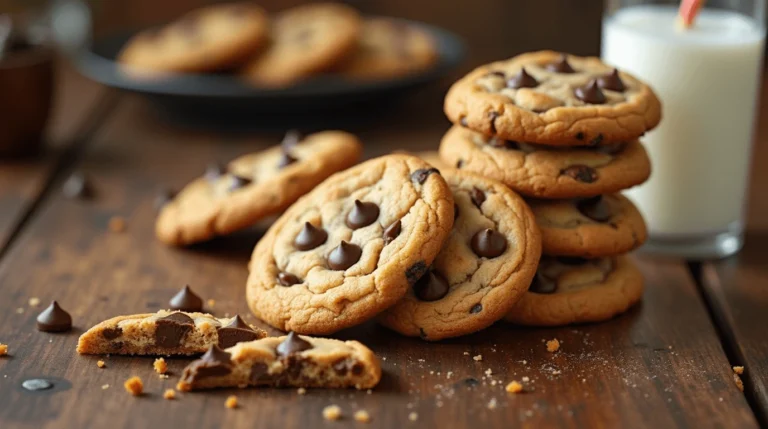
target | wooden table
x=667, y=363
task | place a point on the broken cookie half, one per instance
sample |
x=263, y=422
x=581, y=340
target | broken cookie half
x=288, y=361
x=166, y=333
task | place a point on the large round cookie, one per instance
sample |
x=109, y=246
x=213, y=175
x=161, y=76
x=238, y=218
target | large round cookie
x=254, y=186
x=546, y=171
x=209, y=39
x=305, y=40
x=389, y=49
x=575, y=290
x=352, y=247
x=543, y=97
x=605, y=225
x=484, y=267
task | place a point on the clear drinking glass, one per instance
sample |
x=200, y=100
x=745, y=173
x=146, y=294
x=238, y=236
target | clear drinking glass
x=708, y=78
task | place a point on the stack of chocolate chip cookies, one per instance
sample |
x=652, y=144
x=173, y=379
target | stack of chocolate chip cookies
x=562, y=131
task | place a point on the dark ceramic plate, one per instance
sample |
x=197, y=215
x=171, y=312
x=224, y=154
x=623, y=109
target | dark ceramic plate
x=221, y=93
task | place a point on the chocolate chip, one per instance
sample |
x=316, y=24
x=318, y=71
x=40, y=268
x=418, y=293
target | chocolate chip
x=543, y=284
x=463, y=121
x=186, y=300
x=291, y=139
x=392, y=231
x=431, y=287
x=171, y=329
x=310, y=237
x=561, y=65
x=476, y=309
x=214, y=363
x=579, y=136
x=112, y=333
x=214, y=171
x=415, y=272
x=164, y=197
x=362, y=214
x=496, y=73
x=77, y=186
x=590, y=93
x=259, y=373
x=492, y=116
x=522, y=80
x=239, y=182
x=488, y=243
x=54, y=319
x=420, y=176
x=36, y=384
x=612, y=148
x=503, y=144
x=288, y=279
x=236, y=331
x=596, y=140
x=582, y=173
x=595, y=208
x=477, y=196
x=344, y=256
x=612, y=81
x=292, y=344
x=285, y=160
x=459, y=163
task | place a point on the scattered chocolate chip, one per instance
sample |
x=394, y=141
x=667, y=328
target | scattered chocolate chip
x=292, y=344
x=77, y=186
x=561, y=65
x=612, y=81
x=288, y=279
x=590, y=93
x=522, y=80
x=236, y=331
x=611, y=148
x=571, y=260
x=291, y=139
x=459, y=163
x=543, y=284
x=186, y=300
x=595, y=208
x=431, y=287
x=420, y=176
x=463, y=121
x=362, y=214
x=488, y=243
x=392, y=231
x=239, y=182
x=171, y=329
x=497, y=73
x=214, y=171
x=54, y=319
x=597, y=140
x=285, y=160
x=36, y=384
x=476, y=309
x=310, y=237
x=477, y=196
x=214, y=363
x=164, y=197
x=492, y=116
x=112, y=333
x=582, y=173
x=415, y=272
x=344, y=256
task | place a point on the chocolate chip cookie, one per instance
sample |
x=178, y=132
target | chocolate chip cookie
x=388, y=49
x=254, y=186
x=165, y=333
x=605, y=225
x=575, y=290
x=209, y=39
x=556, y=99
x=289, y=361
x=305, y=40
x=352, y=247
x=485, y=265
x=546, y=171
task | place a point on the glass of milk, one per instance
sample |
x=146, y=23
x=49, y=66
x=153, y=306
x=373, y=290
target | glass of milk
x=708, y=79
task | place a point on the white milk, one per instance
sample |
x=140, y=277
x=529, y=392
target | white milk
x=707, y=79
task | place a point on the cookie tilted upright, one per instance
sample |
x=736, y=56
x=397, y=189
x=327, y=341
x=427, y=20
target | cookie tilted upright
x=352, y=247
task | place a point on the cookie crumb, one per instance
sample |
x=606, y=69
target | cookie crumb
x=553, y=345
x=492, y=404
x=160, y=366
x=211, y=302
x=466, y=353
x=514, y=387
x=134, y=386
x=34, y=302
x=332, y=412
x=301, y=391
x=738, y=370
x=163, y=376
x=169, y=394
x=104, y=386
x=413, y=416
x=20, y=310
x=488, y=372
x=737, y=380
x=3, y=349
x=526, y=379
x=231, y=402
x=362, y=416
x=117, y=224
x=449, y=374
x=101, y=364
x=477, y=358
x=369, y=391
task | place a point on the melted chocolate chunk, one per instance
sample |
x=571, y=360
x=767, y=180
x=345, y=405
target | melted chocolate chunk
x=54, y=319
x=171, y=329
x=431, y=287
x=488, y=243
x=292, y=344
x=112, y=333
x=561, y=65
x=236, y=331
x=522, y=80
x=459, y=163
x=186, y=300
x=214, y=363
x=543, y=284
x=476, y=309
x=77, y=186
x=285, y=160
x=344, y=256
x=288, y=279
x=164, y=197
x=214, y=171
x=415, y=272
x=420, y=176
x=582, y=173
x=590, y=93
x=392, y=231
x=595, y=208
x=239, y=182
x=362, y=214
x=477, y=196
x=612, y=81
x=309, y=237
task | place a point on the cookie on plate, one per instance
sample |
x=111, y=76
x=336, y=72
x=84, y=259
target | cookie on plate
x=289, y=361
x=556, y=99
x=605, y=225
x=485, y=265
x=389, y=48
x=352, y=247
x=305, y=40
x=547, y=171
x=165, y=333
x=209, y=39
x=254, y=186
x=575, y=290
